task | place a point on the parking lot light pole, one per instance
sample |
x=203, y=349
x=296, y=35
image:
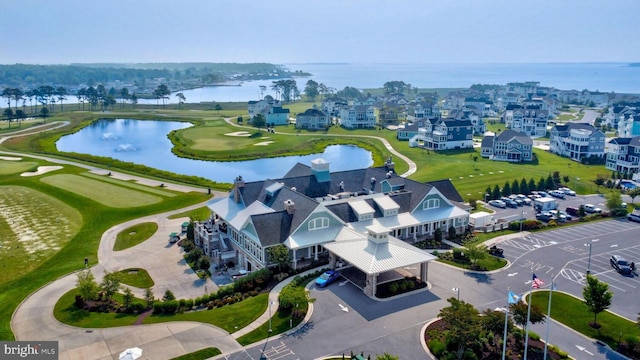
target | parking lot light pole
x=270, y=303
x=457, y=289
x=522, y=221
x=589, y=262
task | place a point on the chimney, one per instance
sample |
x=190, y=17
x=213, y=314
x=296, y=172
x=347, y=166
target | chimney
x=290, y=206
x=237, y=185
x=389, y=164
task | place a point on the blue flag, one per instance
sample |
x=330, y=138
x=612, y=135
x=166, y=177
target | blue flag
x=512, y=298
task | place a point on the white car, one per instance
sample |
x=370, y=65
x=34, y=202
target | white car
x=498, y=203
x=592, y=209
x=567, y=191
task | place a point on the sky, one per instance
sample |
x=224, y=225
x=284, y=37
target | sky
x=314, y=31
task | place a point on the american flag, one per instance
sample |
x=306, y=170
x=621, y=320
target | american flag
x=536, y=283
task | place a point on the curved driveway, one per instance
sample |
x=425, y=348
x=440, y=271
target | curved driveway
x=34, y=320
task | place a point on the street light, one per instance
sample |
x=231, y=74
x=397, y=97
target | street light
x=457, y=289
x=270, y=303
x=522, y=221
x=485, y=197
x=589, y=263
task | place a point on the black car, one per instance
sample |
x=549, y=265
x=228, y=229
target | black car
x=620, y=264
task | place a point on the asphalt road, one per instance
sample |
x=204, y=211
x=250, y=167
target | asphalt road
x=394, y=326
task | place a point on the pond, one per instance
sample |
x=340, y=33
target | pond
x=145, y=142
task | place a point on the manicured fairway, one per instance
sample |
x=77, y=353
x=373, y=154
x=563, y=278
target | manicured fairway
x=130, y=185
x=33, y=227
x=101, y=191
x=15, y=167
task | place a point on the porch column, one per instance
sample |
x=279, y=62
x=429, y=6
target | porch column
x=295, y=260
x=423, y=271
x=369, y=287
x=332, y=260
x=315, y=257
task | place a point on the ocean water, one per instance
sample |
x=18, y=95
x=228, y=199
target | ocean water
x=605, y=77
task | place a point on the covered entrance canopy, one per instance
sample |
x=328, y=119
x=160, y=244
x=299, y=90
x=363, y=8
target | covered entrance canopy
x=376, y=253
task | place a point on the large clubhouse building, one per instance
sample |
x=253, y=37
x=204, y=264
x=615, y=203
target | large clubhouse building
x=366, y=218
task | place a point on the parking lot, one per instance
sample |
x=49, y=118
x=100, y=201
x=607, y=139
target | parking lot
x=568, y=252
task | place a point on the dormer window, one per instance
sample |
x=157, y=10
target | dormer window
x=318, y=223
x=431, y=204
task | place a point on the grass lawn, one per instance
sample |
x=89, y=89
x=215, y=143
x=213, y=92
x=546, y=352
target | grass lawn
x=489, y=263
x=134, y=235
x=575, y=314
x=200, y=354
x=201, y=213
x=101, y=191
x=80, y=226
x=129, y=184
x=231, y=318
x=136, y=277
x=280, y=322
x=16, y=167
x=66, y=312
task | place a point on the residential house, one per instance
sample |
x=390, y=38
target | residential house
x=629, y=126
x=474, y=115
x=313, y=119
x=276, y=115
x=259, y=106
x=577, y=141
x=530, y=120
x=409, y=131
x=623, y=155
x=358, y=117
x=444, y=134
x=320, y=215
x=509, y=145
x=389, y=113
x=332, y=106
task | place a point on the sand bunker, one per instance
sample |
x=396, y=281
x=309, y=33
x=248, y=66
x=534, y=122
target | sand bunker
x=10, y=158
x=41, y=170
x=264, y=143
x=238, y=133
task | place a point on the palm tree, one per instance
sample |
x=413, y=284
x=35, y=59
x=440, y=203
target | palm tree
x=181, y=99
x=61, y=93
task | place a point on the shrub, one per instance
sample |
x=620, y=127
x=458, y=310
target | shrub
x=189, y=304
x=393, y=288
x=436, y=347
x=157, y=307
x=170, y=307
x=534, y=336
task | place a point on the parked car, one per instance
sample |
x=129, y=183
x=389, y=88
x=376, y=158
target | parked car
x=634, y=216
x=327, y=278
x=498, y=203
x=620, y=264
x=572, y=211
x=524, y=199
x=567, y=191
x=592, y=209
x=543, y=194
x=544, y=216
x=557, y=194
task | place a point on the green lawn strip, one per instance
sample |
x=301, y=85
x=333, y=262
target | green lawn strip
x=136, y=277
x=34, y=226
x=134, y=235
x=101, y=191
x=489, y=263
x=66, y=312
x=230, y=318
x=200, y=354
x=281, y=322
x=199, y=214
x=97, y=219
x=575, y=314
x=130, y=184
x=16, y=167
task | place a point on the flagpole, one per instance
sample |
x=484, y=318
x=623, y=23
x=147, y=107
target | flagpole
x=546, y=337
x=506, y=319
x=526, y=328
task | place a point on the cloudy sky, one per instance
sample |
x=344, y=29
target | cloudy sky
x=288, y=31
